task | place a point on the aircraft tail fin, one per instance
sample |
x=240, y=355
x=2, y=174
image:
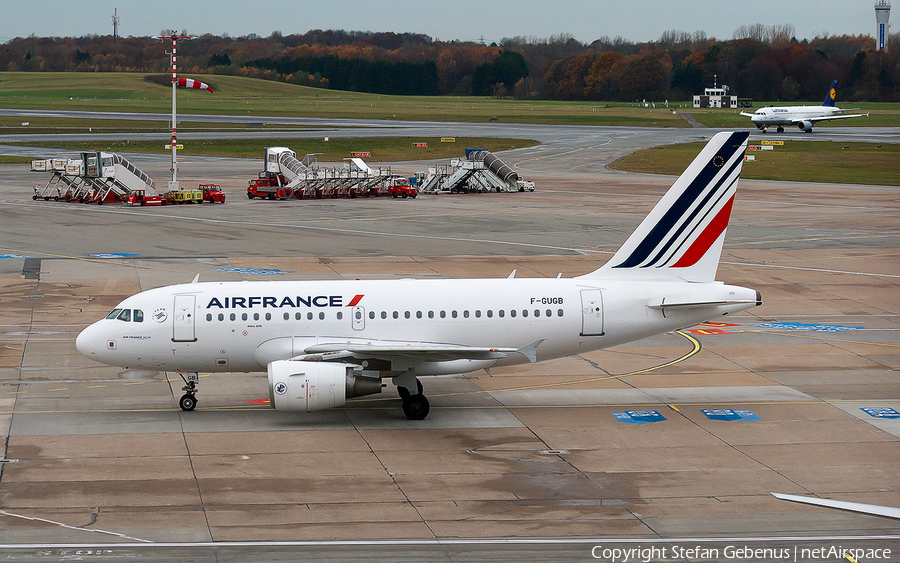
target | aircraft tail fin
x=682, y=237
x=831, y=95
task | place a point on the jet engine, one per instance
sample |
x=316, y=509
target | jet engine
x=315, y=386
x=805, y=126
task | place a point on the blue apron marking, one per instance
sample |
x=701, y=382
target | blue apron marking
x=638, y=417
x=730, y=414
x=881, y=412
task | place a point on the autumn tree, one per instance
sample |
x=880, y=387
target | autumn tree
x=600, y=83
x=505, y=71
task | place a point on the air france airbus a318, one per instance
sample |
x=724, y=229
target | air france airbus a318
x=323, y=342
x=803, y=117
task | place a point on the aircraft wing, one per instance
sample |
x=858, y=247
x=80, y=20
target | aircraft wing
x=817, y=119
x=391, y=350
x=745, y=114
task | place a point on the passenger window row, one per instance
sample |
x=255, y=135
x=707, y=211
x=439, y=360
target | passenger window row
x=268, y=316
x=477, y=313
x=384, y=315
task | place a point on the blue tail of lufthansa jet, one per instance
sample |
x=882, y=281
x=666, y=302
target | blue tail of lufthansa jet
x=831, y=95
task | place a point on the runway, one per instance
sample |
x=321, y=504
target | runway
x=530, y=463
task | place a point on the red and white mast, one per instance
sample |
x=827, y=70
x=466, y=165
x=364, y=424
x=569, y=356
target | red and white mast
x=173, y=185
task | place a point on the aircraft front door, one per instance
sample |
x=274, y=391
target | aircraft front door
x=359, y=318
x=183, y=319
x=591, y=312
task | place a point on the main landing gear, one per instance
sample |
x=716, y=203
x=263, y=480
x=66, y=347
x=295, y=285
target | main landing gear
x=188, y=401
x=415, y=407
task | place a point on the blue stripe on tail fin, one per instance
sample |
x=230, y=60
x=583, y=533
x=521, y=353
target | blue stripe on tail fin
x=682, y=236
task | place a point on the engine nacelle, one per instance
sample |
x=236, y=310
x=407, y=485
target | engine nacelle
x=315, y=386
x=805, y=126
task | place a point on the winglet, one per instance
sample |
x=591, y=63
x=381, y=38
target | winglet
x=511, y=275
x=196, y=279
x=530, y=351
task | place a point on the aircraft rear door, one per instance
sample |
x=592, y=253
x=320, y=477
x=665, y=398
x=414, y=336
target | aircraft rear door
x=183, y=319
x=591, y=312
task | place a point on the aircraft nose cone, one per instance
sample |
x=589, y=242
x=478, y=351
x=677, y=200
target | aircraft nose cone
x=86, y=341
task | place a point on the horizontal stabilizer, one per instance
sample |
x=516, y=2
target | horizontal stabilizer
x=663, y=305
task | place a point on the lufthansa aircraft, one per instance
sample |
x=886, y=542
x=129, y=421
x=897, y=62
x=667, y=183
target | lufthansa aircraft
x=803, y=117
x=323, y=342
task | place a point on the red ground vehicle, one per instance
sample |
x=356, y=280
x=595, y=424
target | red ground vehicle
x=212, y=193
x=139, y=197
x=268, y=186
x=400, y=187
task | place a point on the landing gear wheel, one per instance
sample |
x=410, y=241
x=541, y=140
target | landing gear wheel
x=780, y=129
x=416, y=407
x=188, y=402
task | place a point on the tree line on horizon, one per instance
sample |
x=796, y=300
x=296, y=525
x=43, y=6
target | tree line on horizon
x=760, y=62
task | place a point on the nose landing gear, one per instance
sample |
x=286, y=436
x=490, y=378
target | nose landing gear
x=188, y=401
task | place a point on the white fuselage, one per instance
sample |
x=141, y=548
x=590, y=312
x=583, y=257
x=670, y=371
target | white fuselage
x=790, y=115
x=242, y=326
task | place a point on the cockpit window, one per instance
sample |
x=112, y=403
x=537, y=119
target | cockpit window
x=125, y=315
x=114, y=314
x=138, y=316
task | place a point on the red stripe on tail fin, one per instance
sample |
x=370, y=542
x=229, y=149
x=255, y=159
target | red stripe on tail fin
x=706, y=239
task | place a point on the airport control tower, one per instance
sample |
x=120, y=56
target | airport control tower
x=883, y=29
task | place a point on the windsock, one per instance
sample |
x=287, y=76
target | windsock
x=191, y=83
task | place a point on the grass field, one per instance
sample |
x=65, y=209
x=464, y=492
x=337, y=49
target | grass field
x=803, y=161
x=242, y=96
x=382, y=149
